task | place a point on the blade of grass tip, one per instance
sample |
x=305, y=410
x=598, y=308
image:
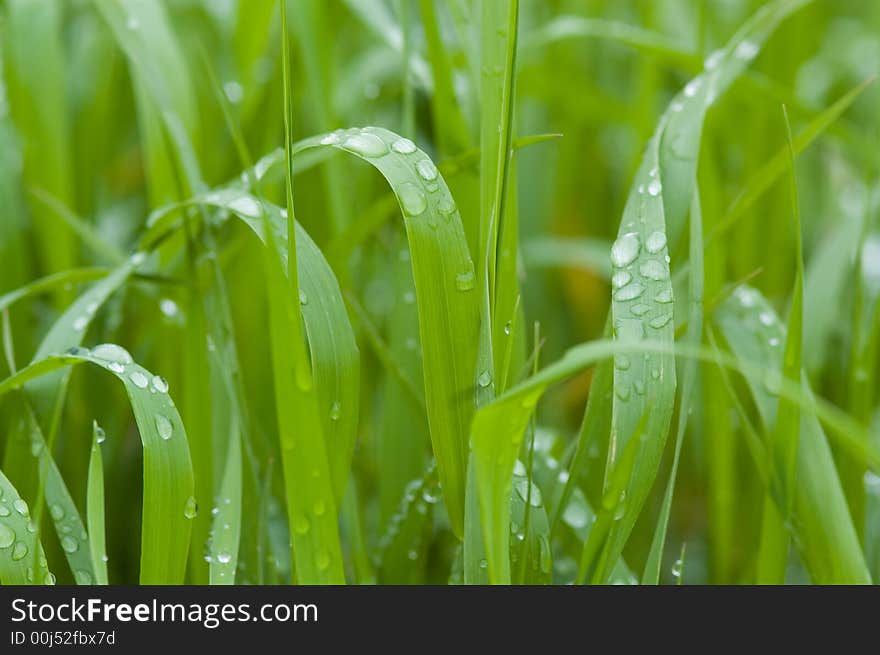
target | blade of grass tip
x=18, y=541
x=311, y=507
x=168, y=478
x=226, y=528
x=450, y=128
x=499, y=27
x=95, y=507
x=785, y=436
x=764, y=178
x=651, y=574
x=654, y=217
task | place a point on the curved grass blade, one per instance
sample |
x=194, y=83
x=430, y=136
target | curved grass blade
x=168, y=478
x=444, y=283
x=825, y=535
x=18, y=541
x=95, y=507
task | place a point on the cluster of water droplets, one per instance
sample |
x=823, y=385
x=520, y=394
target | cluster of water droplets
x=633, y=276
x=17, y=509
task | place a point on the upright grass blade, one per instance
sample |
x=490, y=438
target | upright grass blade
x=226, y=529
x=18, y=542
x=651, y=573
x=653, y=217
x=311, y=507
x=826, y=536
x=95, y=507
x=168, y=479
x=773, y=554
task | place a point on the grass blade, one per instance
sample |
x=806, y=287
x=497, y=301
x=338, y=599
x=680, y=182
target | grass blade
x=95, y=507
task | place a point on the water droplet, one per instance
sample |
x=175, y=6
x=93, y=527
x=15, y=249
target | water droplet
x=746, y=50
x=766, y=318
x=412, y=199
x=485, y=379
x=622, y=392
x=660, y=321
x=4, y=511
x=56, y=511
x=621, y=279
x=629, y=292
x=19, y=551
x=403, y=146
x=639, y=387
x=319, y=508
x=7, y=536
x=426, y=170
x=507, y=328
x=139, y=380
x=446, y=207
x=159, y=384
x=233, y=91
x=303, y=297
x=69, y=544
x=773, y=342
x=714, y=59
x=163, y=427
x=655, y=187
x=523, y=487
x=138, y=258
x=773, y=382
x=545, y=554
x=484, y=564
x=36, y=448
x=335, y=411
x=639, y=309
x=132, y=23
x=519, y=469
x=409, y=297
x=655, y=242
x=676, y=569
x=246, y=206
x=621, y=362
x=80, y=323
x=116, y=367
x=620, y=510
x=747, y=297
x=653, y=270
x=664, y=296
x=576, y=515
x=190, y=508
x=366, y=145
x=464, y=281
x=20, y=506
x=223, y=557
x=692, y=87
x=83, y=577
x=323, y=560
x=625, y=249
x=301, y=524
x=676, y=106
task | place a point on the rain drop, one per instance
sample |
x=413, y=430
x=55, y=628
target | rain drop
x=713, y=60
x=159, y=384
x=163, y=427
x=653, y=270
x=660, y=321
x=507, y=328
x=620, y=279
x=223, y=557
x=692, y=87
x=464, y=281
x=319, y=508
x=323, y=560
x=80, y=323
x=245, y=205
x=639, y=309
x=664, y=296
x=485, y=379
x=366, y=145
x=7, y=536
x=576, y=516
x=412, y=199
x=56, y=511
x=625, y=249
x=301, y=524
x=403, y=146
x=139, y=380
x=629, y=292
x=19, y=551
x=69, y=544
x=20, y=506
x=621, y=362
x=655, y=187
x=746, y=50
x=190, y=508
x=426, y=170
x=303, y=297
x=335, y=411
x=655, y=242
x=766, y=318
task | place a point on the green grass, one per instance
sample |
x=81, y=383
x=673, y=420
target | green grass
x=439, y=292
